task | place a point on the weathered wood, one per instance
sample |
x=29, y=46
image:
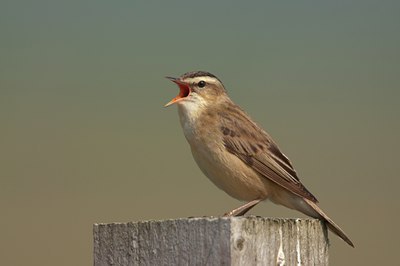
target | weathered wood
x=212, y=241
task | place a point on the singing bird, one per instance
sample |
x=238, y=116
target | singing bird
x=236, y=154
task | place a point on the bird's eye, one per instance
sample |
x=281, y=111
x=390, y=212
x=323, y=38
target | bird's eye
x=201, y=84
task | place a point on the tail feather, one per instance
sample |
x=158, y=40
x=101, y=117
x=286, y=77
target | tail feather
x=331, y=225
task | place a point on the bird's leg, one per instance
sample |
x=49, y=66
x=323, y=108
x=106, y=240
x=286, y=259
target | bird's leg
x=242, y=209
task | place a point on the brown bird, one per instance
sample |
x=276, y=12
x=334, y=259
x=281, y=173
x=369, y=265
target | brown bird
x=235, y=153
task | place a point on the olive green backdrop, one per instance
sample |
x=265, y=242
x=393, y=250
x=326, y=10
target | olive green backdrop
x=84, y=137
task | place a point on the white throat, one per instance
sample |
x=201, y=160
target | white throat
x=189, y=111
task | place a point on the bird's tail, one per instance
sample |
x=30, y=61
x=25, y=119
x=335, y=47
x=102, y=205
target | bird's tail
x=331, y=225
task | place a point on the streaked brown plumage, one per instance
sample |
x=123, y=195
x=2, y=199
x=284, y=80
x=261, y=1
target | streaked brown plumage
x=235, y=153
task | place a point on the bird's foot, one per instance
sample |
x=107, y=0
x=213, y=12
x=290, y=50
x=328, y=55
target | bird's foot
x=242, y=209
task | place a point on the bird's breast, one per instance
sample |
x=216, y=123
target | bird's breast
x=224, y=169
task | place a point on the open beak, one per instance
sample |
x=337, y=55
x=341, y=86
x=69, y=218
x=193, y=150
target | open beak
x=184, y=91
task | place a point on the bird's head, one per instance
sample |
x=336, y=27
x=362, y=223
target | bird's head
x=197, y=88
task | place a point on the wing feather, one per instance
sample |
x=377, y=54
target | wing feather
x=256, y=148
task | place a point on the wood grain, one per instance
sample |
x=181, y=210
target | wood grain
x=212, y=241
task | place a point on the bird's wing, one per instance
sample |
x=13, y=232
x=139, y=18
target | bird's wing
x=256, y=148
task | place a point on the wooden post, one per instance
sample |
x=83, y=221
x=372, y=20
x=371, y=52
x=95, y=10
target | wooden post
x=212, y=241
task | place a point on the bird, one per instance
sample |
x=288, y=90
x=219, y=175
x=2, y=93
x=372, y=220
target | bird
x=236, y=154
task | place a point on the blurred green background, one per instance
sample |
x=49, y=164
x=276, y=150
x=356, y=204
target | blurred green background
x=84, y=137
